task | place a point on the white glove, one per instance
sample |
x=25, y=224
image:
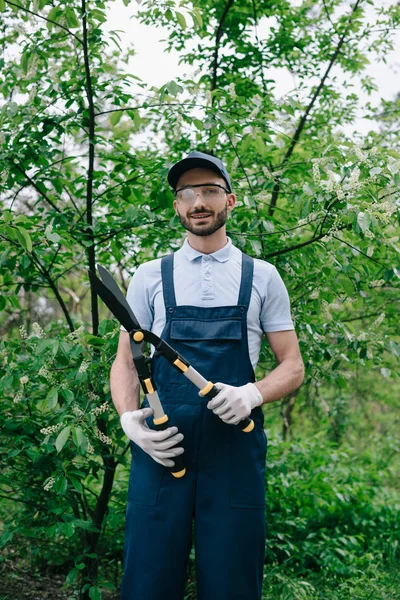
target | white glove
x=160, y=445
x=233, y=404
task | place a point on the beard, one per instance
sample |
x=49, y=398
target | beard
x=202, y=230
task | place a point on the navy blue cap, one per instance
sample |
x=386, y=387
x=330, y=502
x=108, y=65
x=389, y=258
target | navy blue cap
x=196, y=160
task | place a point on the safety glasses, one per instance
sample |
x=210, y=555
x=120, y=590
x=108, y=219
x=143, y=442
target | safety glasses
x=209, y=192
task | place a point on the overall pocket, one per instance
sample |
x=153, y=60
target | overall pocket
x=145, y=478
x=210, y=346
x=247, y=466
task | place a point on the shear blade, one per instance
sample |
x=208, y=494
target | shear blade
x=119, y=310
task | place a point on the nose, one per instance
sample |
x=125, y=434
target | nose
x=198, y=201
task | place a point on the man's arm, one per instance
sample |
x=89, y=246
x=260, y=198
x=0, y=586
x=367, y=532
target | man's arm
x=289, y=374
x=124, y=381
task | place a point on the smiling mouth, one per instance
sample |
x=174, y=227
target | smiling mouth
x=200, y=216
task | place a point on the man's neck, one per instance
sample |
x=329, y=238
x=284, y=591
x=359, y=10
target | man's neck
x=209, y=243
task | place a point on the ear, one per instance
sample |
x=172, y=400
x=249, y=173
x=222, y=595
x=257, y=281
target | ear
x=231, y=201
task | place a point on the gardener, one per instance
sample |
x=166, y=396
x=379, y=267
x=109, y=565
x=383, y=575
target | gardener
x=213, y=304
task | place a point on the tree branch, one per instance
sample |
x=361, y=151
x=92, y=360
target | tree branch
x=44, y=18
x=34, y=185
x=218, y=36
x=89, y=188
x=300, y=127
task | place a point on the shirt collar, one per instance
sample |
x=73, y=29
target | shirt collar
x=221, y=255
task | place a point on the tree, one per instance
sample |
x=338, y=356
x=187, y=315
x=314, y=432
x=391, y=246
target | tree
x=76, y=190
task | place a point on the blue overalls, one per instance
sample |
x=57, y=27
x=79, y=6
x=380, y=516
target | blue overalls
x=223, y=489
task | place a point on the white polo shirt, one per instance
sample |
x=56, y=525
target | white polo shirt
x=209, y=280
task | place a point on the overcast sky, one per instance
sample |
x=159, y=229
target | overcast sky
x=155, y=66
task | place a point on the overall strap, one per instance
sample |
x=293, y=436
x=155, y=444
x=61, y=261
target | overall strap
x=167, y=275
x=246, y=283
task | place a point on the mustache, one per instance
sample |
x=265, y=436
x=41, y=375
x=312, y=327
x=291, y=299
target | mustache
x=200, y=212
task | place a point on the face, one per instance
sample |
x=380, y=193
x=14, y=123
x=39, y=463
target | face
x=203, y=217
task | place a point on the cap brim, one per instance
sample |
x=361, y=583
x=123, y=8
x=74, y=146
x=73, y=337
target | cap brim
x=191, y=163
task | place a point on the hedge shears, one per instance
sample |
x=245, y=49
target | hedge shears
x=109, y=291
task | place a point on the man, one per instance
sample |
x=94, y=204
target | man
x=213, y=304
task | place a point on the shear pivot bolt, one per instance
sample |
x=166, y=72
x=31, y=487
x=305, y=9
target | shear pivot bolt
x=138, y=336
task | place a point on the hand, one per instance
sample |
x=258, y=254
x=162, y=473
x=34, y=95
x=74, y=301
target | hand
x=160, y=445
x=233, y=404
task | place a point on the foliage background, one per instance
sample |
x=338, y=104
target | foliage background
x=84, y=150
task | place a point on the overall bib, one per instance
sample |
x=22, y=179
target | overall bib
x=223, y=490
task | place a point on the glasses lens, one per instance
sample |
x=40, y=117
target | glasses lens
x=207, y=192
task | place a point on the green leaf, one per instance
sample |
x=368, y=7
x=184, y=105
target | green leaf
x=71, y=17
x=256, y=245
x=62, y=438
x=7, y=216
x=24, y=238
x=2, y=6
x=43, y=345
x=52, y=398
x=93, y=340
x=181, y=19
x=197, y=20
x=94, y=593
x=116, y=117
x=173, y=88
x=363, y=221
x=52, y=16
x=78, y=437
x=67, y=394
x=72, y=575
x=77, y=484
x=52, y=236
x=68, y=529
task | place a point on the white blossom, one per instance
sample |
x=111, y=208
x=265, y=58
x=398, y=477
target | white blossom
x=32, y=93
x=73, y=336
x=235, y=163
x=331, y=180
x=359, y=153
x=90, y=449
x=49, y=484
x=44, y=372
x=379, y=320
x=18, y=396
x=24, y=379
x=354, y=178
x=377, y=283
x=85, y=364
x=51, y=429
x=339, y=192
x=99, y=410
x=231, y=91
x=266, y=172
x=254, y=113
x=38, y=331
x=316, y=171
x=77, y=411
x=102, y=437
x=23, y=333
